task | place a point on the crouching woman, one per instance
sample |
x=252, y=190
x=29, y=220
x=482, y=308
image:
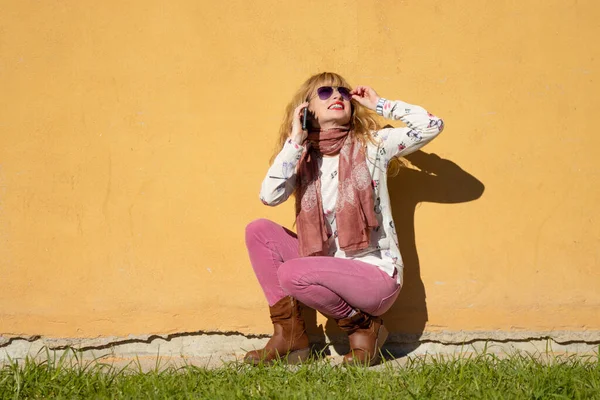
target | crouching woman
x=344, y=260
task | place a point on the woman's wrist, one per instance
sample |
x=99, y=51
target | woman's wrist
x=297, y=139
x=379, y=106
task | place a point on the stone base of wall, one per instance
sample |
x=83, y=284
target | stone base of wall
x=214, y=348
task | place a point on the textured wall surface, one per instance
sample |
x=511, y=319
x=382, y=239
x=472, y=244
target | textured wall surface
x=134, y=137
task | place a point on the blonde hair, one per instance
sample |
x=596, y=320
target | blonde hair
x=363, y=121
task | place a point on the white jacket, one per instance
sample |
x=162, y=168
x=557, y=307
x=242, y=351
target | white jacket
x=384, y=251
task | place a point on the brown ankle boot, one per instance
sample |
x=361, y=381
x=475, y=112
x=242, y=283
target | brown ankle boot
x=289, y=341
x=366, y=335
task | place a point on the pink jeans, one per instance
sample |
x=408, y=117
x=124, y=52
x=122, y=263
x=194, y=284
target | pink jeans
x=333, y=286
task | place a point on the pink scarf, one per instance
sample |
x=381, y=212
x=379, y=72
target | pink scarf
x=354, y=207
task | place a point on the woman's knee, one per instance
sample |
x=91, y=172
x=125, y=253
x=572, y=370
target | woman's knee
x=255, y=228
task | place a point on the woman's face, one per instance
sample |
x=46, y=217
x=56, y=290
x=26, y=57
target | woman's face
x=331, y=111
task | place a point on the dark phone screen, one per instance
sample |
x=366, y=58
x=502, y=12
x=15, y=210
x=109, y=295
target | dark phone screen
x=305, y=118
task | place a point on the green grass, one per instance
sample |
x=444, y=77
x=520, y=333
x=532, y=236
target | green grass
x=519, y=376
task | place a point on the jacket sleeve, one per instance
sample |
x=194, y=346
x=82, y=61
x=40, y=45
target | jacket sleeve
x=280, y=181
x=421, y=128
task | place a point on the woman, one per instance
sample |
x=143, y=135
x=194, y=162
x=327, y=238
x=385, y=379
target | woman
x=344, y=260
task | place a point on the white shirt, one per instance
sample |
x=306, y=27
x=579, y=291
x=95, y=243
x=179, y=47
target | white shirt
x=384, y=251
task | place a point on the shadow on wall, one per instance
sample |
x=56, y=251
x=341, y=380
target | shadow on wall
x=439, y=181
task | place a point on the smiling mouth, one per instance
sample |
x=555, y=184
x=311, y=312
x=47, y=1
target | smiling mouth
x=336, y=106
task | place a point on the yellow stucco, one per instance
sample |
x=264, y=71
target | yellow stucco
x=134, y=137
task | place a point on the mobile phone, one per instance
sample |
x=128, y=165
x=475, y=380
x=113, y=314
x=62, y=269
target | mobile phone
x=305, y=118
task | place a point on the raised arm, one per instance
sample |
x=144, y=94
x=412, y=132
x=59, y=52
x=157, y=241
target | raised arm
x=421, y=126
x=280, y=181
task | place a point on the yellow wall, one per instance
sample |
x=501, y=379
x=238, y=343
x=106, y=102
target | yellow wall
x=134, y=136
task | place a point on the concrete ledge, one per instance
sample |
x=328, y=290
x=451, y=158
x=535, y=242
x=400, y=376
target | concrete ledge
x=231, y=346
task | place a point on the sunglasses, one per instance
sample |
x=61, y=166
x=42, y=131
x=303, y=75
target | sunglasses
x=325, y=92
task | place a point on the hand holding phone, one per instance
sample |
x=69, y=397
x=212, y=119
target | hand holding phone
x=300, y=124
